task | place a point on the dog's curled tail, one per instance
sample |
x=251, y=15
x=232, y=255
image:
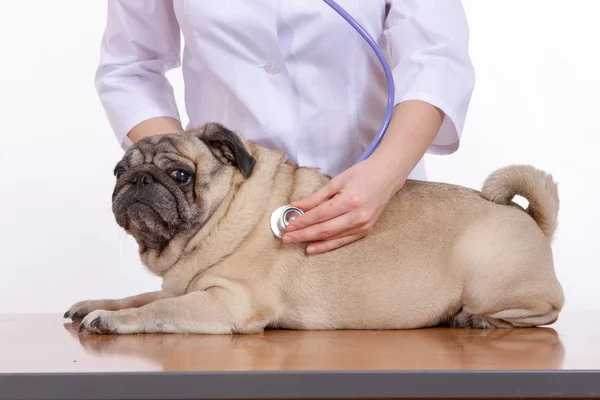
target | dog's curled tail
x=536, y=186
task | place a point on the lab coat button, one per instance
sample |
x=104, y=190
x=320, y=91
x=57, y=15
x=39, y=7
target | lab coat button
x=272, y=68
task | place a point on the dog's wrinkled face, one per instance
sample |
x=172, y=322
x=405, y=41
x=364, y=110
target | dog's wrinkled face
x=169, y=184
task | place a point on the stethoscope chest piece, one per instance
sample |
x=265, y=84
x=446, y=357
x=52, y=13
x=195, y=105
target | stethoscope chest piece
x=281, y=218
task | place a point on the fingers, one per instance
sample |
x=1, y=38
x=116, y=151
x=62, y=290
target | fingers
x=320, y=231
x=332, y=244
x=319, y=197
x=330, y=209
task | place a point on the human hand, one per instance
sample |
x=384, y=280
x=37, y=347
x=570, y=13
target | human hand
x=345, y=209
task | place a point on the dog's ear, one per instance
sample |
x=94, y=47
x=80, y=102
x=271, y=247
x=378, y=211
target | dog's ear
x=227, y=147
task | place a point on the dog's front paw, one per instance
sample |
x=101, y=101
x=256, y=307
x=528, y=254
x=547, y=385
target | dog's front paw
x=112, y=322
x=99, y=322
x=79, y=310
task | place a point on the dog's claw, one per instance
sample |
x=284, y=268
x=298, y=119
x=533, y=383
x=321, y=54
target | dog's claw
x=95, y=322
x=81, y=329
x=66, y=315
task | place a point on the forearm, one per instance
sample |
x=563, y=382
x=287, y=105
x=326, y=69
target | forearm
x=154, y=126
x=412, y=129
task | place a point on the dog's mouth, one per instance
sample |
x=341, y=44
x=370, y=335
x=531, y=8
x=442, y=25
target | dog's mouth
x=147, y=225
x=139, y=214
x=152, y=214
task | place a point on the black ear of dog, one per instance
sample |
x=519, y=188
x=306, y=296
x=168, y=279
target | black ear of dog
x=225, y=144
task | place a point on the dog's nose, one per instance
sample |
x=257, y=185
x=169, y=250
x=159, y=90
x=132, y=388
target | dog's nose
x=142, y=178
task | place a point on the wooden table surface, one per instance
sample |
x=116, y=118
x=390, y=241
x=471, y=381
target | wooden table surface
x=46, y=352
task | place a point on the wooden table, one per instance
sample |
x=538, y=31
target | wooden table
x=43, y=357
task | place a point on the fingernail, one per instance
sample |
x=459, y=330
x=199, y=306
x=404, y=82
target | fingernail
x=310, y=249
x=290, y=228
x=286, y=239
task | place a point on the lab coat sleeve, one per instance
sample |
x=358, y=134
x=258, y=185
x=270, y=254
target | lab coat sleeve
x=428, y=41
x=141, y=42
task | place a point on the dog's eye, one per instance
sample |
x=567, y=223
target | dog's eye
x=180, y=176
x=119, y=172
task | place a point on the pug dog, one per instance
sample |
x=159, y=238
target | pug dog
x=199, y=203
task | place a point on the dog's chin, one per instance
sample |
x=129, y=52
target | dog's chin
x=146, y=224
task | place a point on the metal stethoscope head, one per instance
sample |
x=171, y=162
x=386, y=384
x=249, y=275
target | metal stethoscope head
x=281, y=218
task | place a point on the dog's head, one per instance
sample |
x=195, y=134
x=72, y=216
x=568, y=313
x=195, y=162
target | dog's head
x=171, y=184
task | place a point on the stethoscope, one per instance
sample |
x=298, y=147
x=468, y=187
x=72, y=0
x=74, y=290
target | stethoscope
x=281, y=217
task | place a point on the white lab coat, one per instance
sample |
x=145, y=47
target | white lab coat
x=287, y=74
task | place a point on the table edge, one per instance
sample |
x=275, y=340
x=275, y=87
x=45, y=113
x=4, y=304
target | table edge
x=301, y=384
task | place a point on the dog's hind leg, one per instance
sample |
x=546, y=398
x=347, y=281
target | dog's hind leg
x=510, y=280
x=537, y=314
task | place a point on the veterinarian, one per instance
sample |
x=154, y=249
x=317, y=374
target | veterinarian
x=296, y=76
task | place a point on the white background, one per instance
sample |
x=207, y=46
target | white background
x=536, y=101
